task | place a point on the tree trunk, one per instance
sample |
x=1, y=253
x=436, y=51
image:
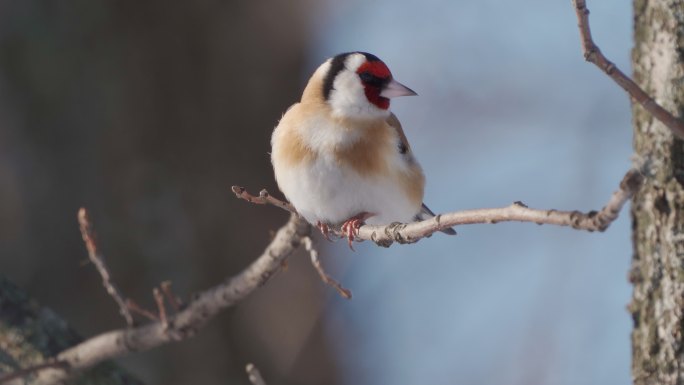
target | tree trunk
x=658, y=208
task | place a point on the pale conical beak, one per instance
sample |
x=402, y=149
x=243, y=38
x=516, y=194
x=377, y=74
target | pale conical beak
x=394, y=89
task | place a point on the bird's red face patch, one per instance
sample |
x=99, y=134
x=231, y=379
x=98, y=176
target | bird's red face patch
x=375, y=68
x=374, y=76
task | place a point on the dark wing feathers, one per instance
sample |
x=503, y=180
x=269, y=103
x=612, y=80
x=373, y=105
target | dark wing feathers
x=403, y=144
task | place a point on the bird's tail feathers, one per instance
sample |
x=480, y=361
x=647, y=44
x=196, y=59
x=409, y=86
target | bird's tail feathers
x=426, y=213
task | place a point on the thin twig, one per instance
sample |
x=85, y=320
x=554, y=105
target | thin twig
x=161, y=308
x=134, y=307
x=175, y=302
x=517, y=212
x=316, y=262
x=593, y=54
x=185, y=324
x=98, y=260
x=254, y=375
x=264, y=198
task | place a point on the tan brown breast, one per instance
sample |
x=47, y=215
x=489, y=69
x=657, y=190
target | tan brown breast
x=373, y=154
x=292, y=150
x=368, y=155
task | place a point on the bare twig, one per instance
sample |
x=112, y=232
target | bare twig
x=135, y=308
x=98, y=260
x=202, y=308
x=264, y=198
x=516, y=212
x=593, y=54
x=158, y=294
x=254, y=375
x=161, y=308
x=308, y=245
x=175, y=302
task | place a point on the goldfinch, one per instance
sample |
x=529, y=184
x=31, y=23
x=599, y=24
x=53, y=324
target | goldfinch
x=341, y=157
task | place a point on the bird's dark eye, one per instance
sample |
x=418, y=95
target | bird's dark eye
x=371, y=79
x=366, y=77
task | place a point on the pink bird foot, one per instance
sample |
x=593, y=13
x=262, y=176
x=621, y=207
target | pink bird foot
x=325, y=230
x=350, y=227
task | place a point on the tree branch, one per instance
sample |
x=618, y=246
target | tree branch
x=385, y=235
x=264, y=198
x=205, y=305
x=593, y=54
x=98, y=260
x=186, y=323
x=327, y=279
x=516, y=212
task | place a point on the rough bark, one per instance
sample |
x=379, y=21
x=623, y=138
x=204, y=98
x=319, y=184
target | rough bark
x=30, y=334
x=658, y=208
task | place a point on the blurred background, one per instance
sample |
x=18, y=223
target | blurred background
x=146, y=112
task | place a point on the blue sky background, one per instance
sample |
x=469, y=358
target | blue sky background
x=508, y=110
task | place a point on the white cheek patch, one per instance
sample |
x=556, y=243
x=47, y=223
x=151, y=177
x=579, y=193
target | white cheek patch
x=347, y=91
x=348, y=98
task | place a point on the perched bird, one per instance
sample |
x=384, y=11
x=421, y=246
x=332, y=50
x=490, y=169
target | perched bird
x=341, y=156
